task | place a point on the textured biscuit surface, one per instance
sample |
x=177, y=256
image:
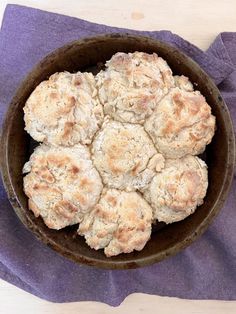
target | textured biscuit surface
x=119, y=223
x=181, y=124
x=62, y=184
x=132, y=85
x=183, y=82
x=178, y=189
x=125, y=156
x=64, y=110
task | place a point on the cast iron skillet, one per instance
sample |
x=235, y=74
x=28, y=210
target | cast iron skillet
x=16, y=145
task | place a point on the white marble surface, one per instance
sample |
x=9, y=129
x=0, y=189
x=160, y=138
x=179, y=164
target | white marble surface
x=197, y=21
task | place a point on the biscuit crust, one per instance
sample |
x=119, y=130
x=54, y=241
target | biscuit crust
x=125, y=156
x=181, y=124
x=62, y=184
x=132, y=85
x=178, y=189
x=64, y=110
x=119, y=223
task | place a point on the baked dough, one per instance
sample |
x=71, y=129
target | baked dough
x=125, y=156
x=64, y=110
x=183, y=82
x=119, y=223
x=181, y=124
x=178, y=189
x=62, y=184
x=132, y=85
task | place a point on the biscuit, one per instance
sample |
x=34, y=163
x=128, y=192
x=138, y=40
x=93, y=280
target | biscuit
x=119, y=223
x=132, y=85
x=125, y=156
x=64, y=110
x=178, y=189
x=62, y=184
x=181, y=124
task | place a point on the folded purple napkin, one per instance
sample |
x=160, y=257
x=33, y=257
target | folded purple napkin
x=205, y=270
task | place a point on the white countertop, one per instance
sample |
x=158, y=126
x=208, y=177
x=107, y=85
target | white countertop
x=198, y=21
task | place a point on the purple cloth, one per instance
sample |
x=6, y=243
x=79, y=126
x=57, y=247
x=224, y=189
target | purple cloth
x=205, y=270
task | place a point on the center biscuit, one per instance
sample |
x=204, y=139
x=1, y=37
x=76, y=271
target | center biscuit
x=125, y=156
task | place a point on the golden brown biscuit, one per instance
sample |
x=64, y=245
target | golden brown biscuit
x=181, y=124
x=119, y=223
x=132, y=85
x=125, y=156
x=64, y=110
x=62, y=184
x=178, y=189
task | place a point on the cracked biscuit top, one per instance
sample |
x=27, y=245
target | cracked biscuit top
x=62, y=184
x=119, y=223
x=125, y=156
x=132, y=85
x=181, y=124
x=184, y=83
x=64, y=110
x=178, y=189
